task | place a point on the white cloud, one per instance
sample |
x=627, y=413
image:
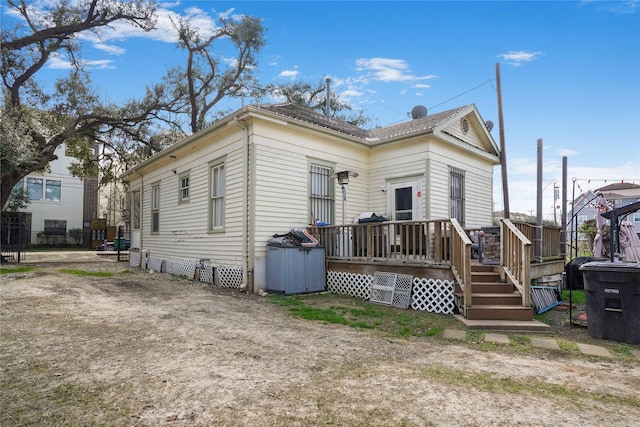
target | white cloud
x=58, y=62
x=517, y=58
x=111, y=49
x=618, y=7
x=291, y=74
x=388, y=70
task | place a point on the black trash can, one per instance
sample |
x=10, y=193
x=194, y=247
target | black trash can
x=613, y=300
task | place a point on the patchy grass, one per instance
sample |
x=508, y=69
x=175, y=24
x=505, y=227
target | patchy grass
x=499, y=384
x=391, y=321
x=577, y=297
x=358, y=313
x=92, y=273
x=16, y=270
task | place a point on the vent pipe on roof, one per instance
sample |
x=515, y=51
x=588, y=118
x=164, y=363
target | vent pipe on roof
x=328, y=107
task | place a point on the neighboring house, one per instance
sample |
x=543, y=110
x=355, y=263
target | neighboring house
x=617, y=195
x=59, y=202
x=222, y=193
x=113, y=204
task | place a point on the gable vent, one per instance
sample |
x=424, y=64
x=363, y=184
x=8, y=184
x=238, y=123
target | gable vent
x=464, y=124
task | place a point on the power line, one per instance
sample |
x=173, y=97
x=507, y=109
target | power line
x=464, y=93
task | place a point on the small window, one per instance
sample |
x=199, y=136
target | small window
x=184, y=188
x=56, y=227
x=34, y=188
x=216, y=205
x=582, y=219
x=155, y=208
x=636, y=217
x=53, y=191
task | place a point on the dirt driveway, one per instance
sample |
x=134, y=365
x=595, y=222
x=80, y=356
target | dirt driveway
x=141, y=349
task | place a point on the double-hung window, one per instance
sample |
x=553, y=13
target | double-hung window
x=155, y=208
x=183, y=182
x=321, y=194
x=456, y=194
x=216, y=200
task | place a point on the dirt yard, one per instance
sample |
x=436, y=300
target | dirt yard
x=142, y=349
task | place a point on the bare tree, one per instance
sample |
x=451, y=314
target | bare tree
x=314, y=97
x=207, y=77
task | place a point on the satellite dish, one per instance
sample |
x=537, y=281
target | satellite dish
x=418, y=111
x=489, y=125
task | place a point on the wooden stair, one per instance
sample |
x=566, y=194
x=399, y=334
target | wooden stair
x=493, y=299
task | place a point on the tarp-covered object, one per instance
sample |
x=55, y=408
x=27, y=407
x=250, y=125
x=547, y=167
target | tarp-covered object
x=629, y=242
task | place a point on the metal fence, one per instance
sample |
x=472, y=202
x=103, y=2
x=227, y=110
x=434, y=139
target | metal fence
x=15, y=230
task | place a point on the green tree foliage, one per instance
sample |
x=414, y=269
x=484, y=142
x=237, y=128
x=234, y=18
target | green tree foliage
x=36, y=120
x=314, y=96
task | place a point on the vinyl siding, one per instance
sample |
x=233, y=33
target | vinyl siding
x=184, y=227
x=279, y=157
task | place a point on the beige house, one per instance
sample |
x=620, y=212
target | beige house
x=222, y=193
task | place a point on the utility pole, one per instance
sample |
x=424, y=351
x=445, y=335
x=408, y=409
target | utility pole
x=503, y=152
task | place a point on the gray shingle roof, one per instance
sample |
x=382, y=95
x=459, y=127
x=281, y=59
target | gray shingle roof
x=379, y=135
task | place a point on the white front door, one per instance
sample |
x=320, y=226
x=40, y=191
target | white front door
x=404, y=200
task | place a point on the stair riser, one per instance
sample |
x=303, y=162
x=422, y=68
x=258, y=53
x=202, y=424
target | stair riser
x=497, y=300
x=475, y=313
x=485, y=277
x=492, y=288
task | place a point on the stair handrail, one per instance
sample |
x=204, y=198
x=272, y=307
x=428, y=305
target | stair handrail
x=461, y=259
x=515, y=259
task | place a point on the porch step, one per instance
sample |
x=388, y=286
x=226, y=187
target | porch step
x=491, y=288
x=485, y=276
x=475, y=267
x=494, y=299
x=499, y=312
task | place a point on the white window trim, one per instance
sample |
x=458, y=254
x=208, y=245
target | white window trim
x=218, y=197
x=155, y=207
x=181, y=189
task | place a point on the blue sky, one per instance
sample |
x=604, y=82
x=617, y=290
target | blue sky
x=570, y=72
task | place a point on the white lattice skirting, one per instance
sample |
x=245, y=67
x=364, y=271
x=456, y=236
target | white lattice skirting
x=223, y=276
x=435, y=296
x=182, y=267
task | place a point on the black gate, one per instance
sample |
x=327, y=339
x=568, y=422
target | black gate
x=15, y=230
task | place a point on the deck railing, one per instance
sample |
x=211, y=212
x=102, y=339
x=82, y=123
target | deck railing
x=437, y=241
x=550, y=239
x=426, y=240
x=515, y=259
x=461, y=260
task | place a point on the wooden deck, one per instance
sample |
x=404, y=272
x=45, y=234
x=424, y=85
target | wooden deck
x=441, y=249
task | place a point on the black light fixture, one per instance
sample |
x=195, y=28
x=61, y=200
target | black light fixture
x=343, y=180
x=343, y=176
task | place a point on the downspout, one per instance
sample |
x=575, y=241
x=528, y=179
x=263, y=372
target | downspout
x=140, y=205
x=245, y=215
